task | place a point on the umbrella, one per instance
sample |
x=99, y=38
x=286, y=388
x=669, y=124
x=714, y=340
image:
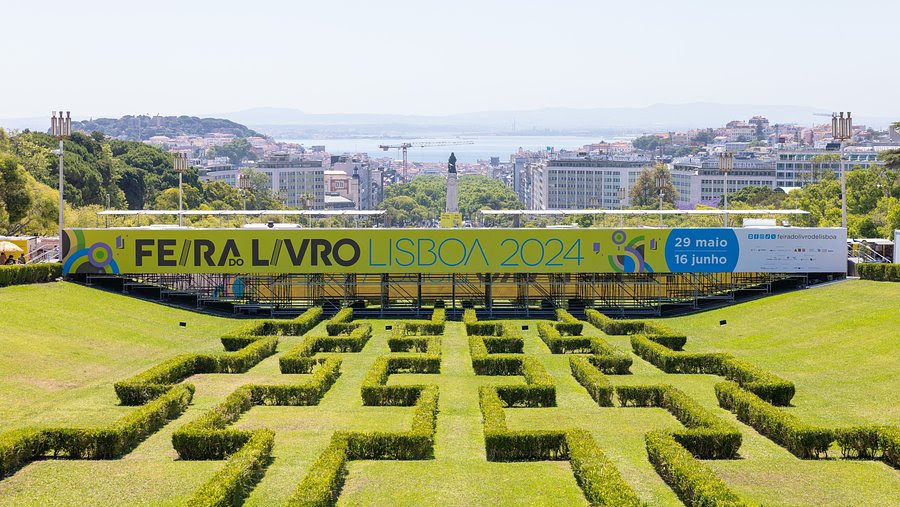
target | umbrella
x=9, y=247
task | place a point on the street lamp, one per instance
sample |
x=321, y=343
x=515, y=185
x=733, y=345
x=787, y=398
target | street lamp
x=244, y=185
x=726, y=164
x=660, y=181
x=841, y=130
x=180, y=164
x=622, y=195
x=60, y=128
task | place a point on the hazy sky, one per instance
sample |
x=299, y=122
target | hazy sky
x=421, y=57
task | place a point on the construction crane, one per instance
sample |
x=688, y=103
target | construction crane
x=421, y=144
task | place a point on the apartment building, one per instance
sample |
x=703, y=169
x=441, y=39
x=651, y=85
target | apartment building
x=299, y=183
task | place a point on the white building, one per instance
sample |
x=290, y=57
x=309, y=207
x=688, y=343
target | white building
x=300, y=183
x=700, y=181
x=581, y=183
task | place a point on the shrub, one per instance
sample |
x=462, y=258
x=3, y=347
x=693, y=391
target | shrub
x=344, y=315
x=592, y=379
x=19, y=447
x=151, y=383
x=764, y=384
x=230, y=485
x=803, y=440
x=321, y=485
x=870, y=442
x=567, y=324
x=656, y=332
x=439, y=316
x=872, y=271
x=596, y=474
x=503, y=445
x=299, y=359
x=692, y=480
x=476, y=328
x=18, y=274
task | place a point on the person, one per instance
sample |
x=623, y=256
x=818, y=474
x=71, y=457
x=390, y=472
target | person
x=21, y=259
x=2, y=258
x=10, y=260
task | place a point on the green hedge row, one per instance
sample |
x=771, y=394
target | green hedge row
x=208, y=436
x=656, y=332
x=567, y=324
x=374, y=390
x=606, y=357
x=231, y=485
x=300, y=358
x=871, y=442
x=592, y=379
x=596, y=474
x=474, y=327
x=17, y=274
x=400, y=342
x=803, y=440
x=246, y=334
x=439, y=316
x=873, y=271
x=19, y=447
x=756, y=380
x=538, y=390
x=151, y=383
x=692, y=480
x=343, y=315
x=321, y=485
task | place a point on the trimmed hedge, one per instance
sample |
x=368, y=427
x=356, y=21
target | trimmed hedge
x=559, y=344
x=692, y=480
x=439, y=316
x=476, y=328
x=596, y=474
x=756, y=380
x=343, y=315
x=19, y=447
x=874, y=271
x=592, y=379
x=374, y=390
x=802, y=440
x=538, y=390
x=656, y=332
x=567, y=324
x=151, y=383
x=300, y=358
x=321, y=485
x=20, y=274
x=606, y=357
x=246, y=334
x=231, y=485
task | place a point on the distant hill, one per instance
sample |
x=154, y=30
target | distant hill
x=139, y=128
x=652, y=118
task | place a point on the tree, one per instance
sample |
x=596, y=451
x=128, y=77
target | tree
x=15, y=197
x=168, y=198
x=645, y=191
x=704, y=137
x=756, y=197
x=646, y=143
x=237, y=150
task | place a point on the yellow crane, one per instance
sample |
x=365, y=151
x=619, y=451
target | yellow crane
x=419, y=144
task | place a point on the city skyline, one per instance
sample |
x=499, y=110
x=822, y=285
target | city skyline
x=406, y=58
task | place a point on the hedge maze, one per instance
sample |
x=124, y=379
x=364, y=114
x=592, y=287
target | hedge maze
x=509, y=370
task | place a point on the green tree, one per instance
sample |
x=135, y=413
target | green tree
x=646, y=189
x=647, y=143
x=237, y=150
x=15, y=197
x=704, y=136
x=756, y=197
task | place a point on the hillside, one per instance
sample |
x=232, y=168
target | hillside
x=138, y=128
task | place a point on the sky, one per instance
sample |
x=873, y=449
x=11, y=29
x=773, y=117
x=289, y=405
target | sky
x=99, y=58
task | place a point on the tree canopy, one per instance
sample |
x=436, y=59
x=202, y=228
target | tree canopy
x=427, y=197
x=646, y=189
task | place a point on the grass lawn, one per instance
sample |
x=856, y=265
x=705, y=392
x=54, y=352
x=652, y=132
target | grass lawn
x=64, y=345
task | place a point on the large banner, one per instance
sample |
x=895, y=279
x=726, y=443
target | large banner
x=775, y=250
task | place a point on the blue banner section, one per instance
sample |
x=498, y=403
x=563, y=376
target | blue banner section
x=702, y=250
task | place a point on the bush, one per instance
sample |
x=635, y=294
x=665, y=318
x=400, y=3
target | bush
x=567, y=324
x=595, y=473
x=692, y=480
x=19, y=447
x=871, y=271
x=151, y=383
x=321, y=485
x=871, y=442
x=756, y=380
x=374, y=390
x=592, y=379
x=476, y=328
x=503, y=445
x=299, y=359
x=803, y=440
x=344, y=315
x=231, y=485
x=656, y=332
x=439, y=316
x=538, y=390
x=19, y=274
